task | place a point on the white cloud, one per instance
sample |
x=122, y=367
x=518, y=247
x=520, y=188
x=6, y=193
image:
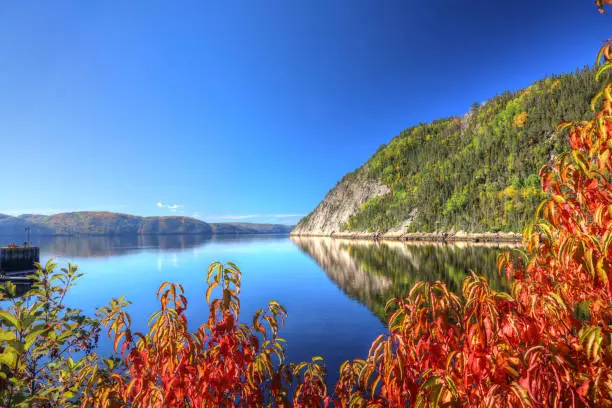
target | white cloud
x=172, y=208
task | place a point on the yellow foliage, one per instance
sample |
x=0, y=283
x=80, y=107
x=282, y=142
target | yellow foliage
x=520, y=119
x=555, y=84
x=529, y=192
x=511, y=192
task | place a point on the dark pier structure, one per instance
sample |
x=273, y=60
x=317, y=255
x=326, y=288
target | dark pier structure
x=16, y=262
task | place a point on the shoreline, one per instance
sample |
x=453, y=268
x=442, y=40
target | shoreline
x=506, y=237
x=147, y=234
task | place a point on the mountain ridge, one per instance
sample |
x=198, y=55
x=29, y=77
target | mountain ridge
x=477, y=173
x=110, y=223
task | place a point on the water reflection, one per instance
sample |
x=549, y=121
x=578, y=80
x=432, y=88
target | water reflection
x=373, y=273
x=106, y=246
x=167, y=250
x=87, y=246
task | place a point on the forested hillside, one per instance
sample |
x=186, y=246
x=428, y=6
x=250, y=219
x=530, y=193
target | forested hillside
x=474, y=173
x=109, y=223
x=239, y=228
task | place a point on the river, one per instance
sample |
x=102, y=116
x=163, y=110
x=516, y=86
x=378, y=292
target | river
x=334, y=290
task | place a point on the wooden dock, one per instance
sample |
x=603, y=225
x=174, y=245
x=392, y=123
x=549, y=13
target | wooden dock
x=17, y=274
x=16, y=264
x=18, y=258
x=16, y=279
x=23, y=284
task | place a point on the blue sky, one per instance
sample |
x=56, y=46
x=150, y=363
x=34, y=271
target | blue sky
x=248, y=110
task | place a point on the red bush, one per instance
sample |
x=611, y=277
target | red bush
x=548, y=343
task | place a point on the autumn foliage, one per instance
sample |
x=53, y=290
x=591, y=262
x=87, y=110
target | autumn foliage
x=546, y=343
x=223, y=363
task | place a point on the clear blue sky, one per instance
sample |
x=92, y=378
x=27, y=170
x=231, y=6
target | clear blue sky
x=248, y=110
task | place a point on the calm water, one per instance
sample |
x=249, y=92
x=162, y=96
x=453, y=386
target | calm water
x=333, y=290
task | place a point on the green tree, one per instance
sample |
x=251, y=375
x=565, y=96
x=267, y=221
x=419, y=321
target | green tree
x=44, y=345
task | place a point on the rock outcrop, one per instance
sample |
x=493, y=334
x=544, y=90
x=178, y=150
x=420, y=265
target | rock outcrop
x=472, y=177
x=343, y=201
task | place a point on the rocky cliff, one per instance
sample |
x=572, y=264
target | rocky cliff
x=344, y=200
x=458, y=176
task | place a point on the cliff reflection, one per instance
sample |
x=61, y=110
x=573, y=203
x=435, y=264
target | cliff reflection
x=373, y=272
x=103, y=246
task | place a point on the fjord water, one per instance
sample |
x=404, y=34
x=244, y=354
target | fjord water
x=334, y=290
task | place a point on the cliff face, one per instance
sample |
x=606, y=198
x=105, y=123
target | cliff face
x=344, y=200
x=472, y=174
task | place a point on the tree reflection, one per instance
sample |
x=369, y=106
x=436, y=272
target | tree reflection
x=104, y=246
x=373, y=273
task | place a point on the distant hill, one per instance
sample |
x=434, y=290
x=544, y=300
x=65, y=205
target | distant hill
x=14, y=226
x=248, y=228
x=475, y=173
x=108, y=223
x=104, y=223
